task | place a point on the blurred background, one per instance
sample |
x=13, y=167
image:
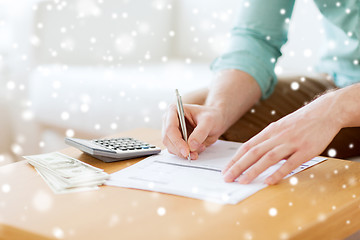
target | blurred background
x=90, y=68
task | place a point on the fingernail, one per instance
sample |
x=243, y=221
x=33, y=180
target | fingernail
x=194, y=155
x=194, y=145
x=269, y=181
x=243, y=179
x=228, y=177
x=184, y=152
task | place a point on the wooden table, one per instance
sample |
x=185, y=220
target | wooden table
x=323, y=205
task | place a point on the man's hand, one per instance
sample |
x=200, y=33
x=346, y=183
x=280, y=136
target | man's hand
x=204, y=124
x=231, y=95
x=297, y=138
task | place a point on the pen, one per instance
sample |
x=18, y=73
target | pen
x=181, y=115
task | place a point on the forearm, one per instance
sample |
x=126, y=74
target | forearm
x=233, y=92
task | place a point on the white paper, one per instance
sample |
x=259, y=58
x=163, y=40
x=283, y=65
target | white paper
x=200, y=179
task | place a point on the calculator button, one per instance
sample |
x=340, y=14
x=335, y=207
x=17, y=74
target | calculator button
x=152, y=146
x=145, y=147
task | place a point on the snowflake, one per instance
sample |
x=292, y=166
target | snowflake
x=58, y=233
x=273, y=212
x=143, y=27
x=113, y=126
x=84, y=108
x=10, y=85
x=5, y=188
x=40, y=25
x=42, y=201
x=212, y=207
x=295, y=86
x=331, y=152
x=164, y=59
x=321, y=217
x=307, y=53
x=172, y=33
x=70, y=133
x=17, y=149
x=278, y=70
x=248, y=236
x=294, y=181
x=114, y=219
x=161, y=211
x=65, y=116
x=27, y=115
x=93, y=40
x=124, y=43
x=162, y=105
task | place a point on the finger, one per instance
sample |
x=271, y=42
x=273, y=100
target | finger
x=292, y=163
x=171, y=148
x=178, y=142
x=248, y=159
x=244, y=148
x=172, y=131
x=201, y=148
x=210, y=140
x=267, y=160
x=194, y=155
x=199, y=135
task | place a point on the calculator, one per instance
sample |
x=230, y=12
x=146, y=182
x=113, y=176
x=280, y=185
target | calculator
x=114, y=149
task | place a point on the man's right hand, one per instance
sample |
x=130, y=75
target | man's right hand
x=204, y=125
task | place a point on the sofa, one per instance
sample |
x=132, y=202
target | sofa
x=98, y=67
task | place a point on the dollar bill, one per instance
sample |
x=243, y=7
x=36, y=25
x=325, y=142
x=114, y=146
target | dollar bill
x=66, y=174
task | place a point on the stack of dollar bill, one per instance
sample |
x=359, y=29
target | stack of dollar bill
x=65, y=174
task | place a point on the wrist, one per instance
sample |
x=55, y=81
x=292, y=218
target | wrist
x=233, y=93
x=348, y=112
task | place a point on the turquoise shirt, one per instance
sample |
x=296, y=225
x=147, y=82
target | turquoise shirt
x=261, y=29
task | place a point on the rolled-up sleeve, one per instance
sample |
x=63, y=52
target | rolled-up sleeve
x=256, y=38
